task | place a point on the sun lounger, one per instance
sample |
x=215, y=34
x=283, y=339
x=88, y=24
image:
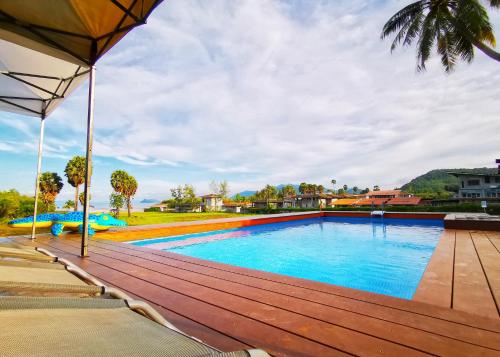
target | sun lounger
x=106, y=325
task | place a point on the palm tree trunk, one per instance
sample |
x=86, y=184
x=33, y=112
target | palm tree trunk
x=76, y=198
x=128, y=206
x=486, y=50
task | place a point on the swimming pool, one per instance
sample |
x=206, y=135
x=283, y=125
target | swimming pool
x=386, y=256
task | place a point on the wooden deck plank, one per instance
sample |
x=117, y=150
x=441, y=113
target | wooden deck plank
x=496, y=243
x=471, y=292
x=344, y=339
x=421, y=322
x=193, y=328
x=436, y=286
x=276, y=341
x=284, y=315
x=490, y=261
x=401, y=334
x=383, y=300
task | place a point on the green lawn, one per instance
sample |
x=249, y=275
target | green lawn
x=137, y=219
x=140, y=218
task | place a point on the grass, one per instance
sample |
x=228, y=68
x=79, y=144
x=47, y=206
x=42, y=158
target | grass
x=142, y=218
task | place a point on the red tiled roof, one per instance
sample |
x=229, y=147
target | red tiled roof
x=386, y=193
x=370, y=201
x=345, y=202
x=404, y=201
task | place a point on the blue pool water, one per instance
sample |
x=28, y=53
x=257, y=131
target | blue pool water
x=386, y=256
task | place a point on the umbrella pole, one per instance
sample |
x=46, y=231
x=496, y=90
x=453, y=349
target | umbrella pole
x=37, y=181
x=88, y=164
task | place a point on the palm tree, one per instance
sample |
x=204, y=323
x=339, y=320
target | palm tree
x=50, y=185
x=81, y=198
x=75, y=172
x=333, y=184
x=455, y=27
x=124, y=184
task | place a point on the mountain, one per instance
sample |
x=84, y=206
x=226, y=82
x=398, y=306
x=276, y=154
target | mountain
x=149, y=200
x=246, y=193
x=439, y=183
x=249, y=193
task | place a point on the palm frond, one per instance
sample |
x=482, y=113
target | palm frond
x=495, y=3
x=402, y=17
x=426, y=41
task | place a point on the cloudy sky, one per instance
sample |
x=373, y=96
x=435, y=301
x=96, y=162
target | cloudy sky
x=266, y=91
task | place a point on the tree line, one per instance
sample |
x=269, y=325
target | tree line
x=50, y=185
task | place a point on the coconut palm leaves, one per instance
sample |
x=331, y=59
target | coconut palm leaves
x=50, y=186
x=75, y=172
x=125, y=185
x=453, y=27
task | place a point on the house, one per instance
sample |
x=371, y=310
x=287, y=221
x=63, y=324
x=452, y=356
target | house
x=159, y=207
x=211, y=202
x=387, y=194
x=478, y=185
x=188, y=208
x=275, y=203
x=314, y=200
x=235, y=207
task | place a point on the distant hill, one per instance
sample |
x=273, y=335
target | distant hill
x=439, y=183
x=251, y=193
x=246, y=193
x=149, y=200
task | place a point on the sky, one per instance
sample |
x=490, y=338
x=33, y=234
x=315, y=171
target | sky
x=260, y=92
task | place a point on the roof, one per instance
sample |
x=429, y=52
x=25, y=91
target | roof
x=313, y=195
x=384, y=193
x=237, y=204
x=370, y=201
x=404, y=201
x=211, y=195
x=346, y=201
x=79, y=31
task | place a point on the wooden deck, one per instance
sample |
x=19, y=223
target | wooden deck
x=464, y=273
x=233, y=308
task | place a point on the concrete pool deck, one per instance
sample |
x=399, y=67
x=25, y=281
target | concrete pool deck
x=455, y=311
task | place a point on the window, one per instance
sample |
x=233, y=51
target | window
x=463, y=184
x=472, y=182
x=497, y=179
x=486, y=179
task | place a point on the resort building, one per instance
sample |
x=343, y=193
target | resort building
x=478, y=185
x=161, y=207
x=387, y=194
x=275, y=203
x=235, y=207
x=211, y=203
x=314, y=200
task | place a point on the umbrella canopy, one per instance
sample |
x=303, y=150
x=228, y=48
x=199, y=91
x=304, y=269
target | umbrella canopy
x=33, y=83
x=77, y=33
x=76, y=30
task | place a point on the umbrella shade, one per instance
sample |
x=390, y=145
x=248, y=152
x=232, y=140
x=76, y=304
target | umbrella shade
x=33, y=83
x=77, y=30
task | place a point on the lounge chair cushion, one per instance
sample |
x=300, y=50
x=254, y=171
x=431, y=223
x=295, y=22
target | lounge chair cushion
x=88, y=327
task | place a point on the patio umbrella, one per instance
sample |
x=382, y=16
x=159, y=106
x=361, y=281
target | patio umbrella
x=77, y=31
x=34, y=84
